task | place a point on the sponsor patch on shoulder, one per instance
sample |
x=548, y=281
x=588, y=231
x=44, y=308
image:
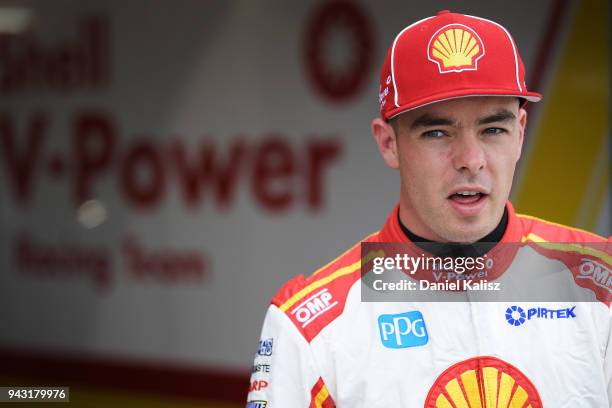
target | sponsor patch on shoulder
x=596, y=272
x=314, y=306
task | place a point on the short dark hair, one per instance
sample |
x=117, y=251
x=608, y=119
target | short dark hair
x=394, y=122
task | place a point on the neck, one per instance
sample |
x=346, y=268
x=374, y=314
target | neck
x=477, y=248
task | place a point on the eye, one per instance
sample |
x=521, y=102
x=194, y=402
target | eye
x=433, y=134
x=494, y=131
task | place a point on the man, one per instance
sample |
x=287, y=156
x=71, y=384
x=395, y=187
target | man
x=452, y=122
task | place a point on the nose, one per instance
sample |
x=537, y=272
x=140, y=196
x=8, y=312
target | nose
x=469, y=154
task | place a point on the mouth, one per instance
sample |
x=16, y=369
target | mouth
x=468, y=202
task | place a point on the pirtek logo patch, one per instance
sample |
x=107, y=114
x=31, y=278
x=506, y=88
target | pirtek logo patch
x=516, y=315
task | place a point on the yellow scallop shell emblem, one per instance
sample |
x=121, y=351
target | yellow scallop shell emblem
x=483, y=382
x=455, y=48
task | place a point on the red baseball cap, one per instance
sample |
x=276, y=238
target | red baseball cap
x=450, y=56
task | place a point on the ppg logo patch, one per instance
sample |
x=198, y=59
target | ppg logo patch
x=403, y=330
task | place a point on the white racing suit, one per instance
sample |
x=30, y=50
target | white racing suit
x=322, y=346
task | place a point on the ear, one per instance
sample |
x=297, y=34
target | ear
x=522, y=120
x=385, y=138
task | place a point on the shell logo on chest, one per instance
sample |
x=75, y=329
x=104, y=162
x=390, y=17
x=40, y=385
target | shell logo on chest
x=483, y=382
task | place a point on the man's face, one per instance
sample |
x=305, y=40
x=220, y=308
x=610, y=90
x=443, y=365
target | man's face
x=456, y=160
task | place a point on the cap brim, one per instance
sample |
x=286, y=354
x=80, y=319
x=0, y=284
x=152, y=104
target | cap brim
x=529, y=96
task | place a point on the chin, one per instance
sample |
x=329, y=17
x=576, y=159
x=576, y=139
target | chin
x=471, y=230
x=466, y=235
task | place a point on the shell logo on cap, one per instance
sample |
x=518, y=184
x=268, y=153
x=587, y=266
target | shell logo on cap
x=483, y=382
x=455, y=48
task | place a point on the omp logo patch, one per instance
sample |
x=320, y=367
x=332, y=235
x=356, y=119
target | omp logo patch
x=596, y=272
x=516, y=315
x=313, y=307
x=403, y=330
x=455, y=48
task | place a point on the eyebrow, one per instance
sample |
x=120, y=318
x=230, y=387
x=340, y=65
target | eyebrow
x=428, y=120
x=501, y=116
